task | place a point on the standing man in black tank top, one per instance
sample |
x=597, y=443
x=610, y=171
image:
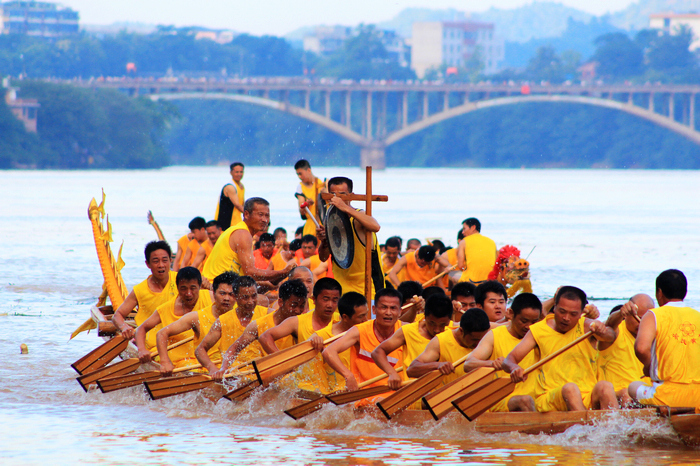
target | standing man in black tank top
x=230, y=207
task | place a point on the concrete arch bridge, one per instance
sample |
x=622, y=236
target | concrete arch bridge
x=376, y=114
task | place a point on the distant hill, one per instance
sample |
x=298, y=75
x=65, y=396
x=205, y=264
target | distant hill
x=402, y=23
x=533, y=21
x=636, y=16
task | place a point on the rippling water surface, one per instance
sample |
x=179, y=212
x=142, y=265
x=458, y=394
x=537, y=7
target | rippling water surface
x=609, y=232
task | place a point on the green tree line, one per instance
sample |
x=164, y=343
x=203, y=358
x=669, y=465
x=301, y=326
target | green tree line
x=84, y=128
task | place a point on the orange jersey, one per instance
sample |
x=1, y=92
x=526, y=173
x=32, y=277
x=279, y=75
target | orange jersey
x=415, y=273
x=361, y=363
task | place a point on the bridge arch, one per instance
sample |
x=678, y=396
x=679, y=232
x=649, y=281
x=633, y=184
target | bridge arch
x=301, y=112
x=469, y=107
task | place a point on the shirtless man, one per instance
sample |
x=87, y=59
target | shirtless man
x=234, y=249
x=230, y=206
x=157, y=289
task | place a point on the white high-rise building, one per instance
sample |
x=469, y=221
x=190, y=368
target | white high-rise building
x=453, y=43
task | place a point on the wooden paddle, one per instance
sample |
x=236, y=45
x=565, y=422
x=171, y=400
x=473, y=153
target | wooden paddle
x=282, y=362
x=439, y=402
x=406, y=396
x=362, y=392
x=100, y=356
x=312, y=406
x=440, y=275
x=170, y=386
x=121, y=367
x=478, y=401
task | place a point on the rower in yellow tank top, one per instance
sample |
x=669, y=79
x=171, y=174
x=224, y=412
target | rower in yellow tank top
x=182, y=355
x=476, y=255
x=335, y=381
x=148, y=302
x=673, y=351
x=267, y=322
x=618, y=364
x=206, y=320
x=222, y=257
x=313, y=375
x=577, y=365
x=231, y=329
x=451, y=345
x=503, y=344
x=415, y=343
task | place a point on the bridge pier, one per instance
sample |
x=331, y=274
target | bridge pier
x=373, y=155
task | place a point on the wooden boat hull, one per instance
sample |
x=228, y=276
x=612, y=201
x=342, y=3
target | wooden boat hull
x=526, y=423
x=688, y=428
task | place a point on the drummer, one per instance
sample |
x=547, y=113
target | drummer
x=352, y=278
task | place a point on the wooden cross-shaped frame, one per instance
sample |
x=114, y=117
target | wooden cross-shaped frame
x=368, y=198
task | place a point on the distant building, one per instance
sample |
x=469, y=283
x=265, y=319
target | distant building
x=218, y=36
x=587, y=71
x=326, y=39
x=25, y=110
x=452, y=44
x=37, y=19
x=669, y=23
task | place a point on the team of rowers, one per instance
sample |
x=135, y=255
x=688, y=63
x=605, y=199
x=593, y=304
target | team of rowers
x=409, y=329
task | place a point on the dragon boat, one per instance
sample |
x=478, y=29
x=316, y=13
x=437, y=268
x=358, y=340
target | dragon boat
x=684, y=421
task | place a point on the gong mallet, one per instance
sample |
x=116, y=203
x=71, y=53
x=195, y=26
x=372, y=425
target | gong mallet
x=305, y=206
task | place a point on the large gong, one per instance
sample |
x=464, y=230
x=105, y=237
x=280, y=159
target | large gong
x=340, y=237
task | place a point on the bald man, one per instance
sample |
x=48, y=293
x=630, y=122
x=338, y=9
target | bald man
x=617, y=362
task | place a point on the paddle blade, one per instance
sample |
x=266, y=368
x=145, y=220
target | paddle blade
x=439, y=402
x=111, y=384
x=307, y=408
x=282, y=362
x=100, y=356
x=170, y=386
x=357, y=395
x=243, y=392
x=477, y=402
x=407, y=395
x=119, y=368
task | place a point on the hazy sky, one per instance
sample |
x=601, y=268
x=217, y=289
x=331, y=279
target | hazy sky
x=279, y=17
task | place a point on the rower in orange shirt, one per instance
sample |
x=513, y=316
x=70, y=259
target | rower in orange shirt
x=265, y=252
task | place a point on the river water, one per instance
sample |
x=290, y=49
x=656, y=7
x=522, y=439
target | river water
x=609, y=232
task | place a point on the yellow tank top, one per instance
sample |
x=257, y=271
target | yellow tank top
x=182, y=355
x=480, y=256
x=148, y=301
x=311, y=192
x=676, y=350
x=231, y=330
x=267, y=322
x=223, y=258
x=193, y=246
x=415, y=273
x=415, y=343
x=451, y=351
x=335, y=380
x=183, y=242
x=312, y=375
x=353, y=278
x=361, y=363
x=452, y=256
x=577, y=365
x=208, y=247
x=206, y=320
x=618, y=364
x=315, y=262
x=503, y=344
